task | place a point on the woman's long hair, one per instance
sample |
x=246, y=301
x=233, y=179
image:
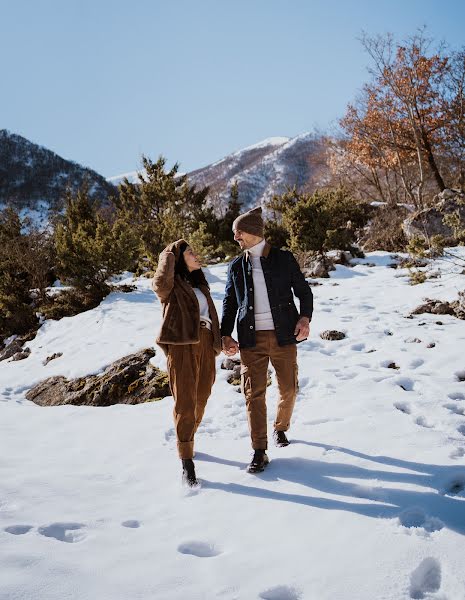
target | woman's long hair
x=195, y=278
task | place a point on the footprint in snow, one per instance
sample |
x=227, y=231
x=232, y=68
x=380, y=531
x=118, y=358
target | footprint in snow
x=170, y=434
x=455, y=484
x=455, y=408
x=200, y=549
x=281, y=592
x=416, y=518
x=425, y=579
x=404, y=407
x=405, y=383
x=461, y=429
x=417, y=362
x=457, y=453
x=422, y=422
x=18, y=529
x=131, y=524
x=456, y=396
x=358, y=347
x=460, y=375
x=64, y=532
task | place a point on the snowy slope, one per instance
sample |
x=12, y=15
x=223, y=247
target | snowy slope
x=367, y=503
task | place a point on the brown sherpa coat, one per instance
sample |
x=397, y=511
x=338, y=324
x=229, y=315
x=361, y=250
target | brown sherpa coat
x=181, y=314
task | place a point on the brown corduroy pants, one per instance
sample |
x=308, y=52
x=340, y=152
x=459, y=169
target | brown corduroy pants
x=254, y=371
x=191, y=372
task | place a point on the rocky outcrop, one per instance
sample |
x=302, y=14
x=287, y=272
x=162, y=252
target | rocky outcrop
x=441, y=307
x=318, y=266
x=130, y=380
x=14, y=349
x=430, y=221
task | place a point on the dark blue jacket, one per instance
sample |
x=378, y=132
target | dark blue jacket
x=282, y=276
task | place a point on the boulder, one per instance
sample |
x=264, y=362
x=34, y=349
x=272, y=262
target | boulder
x=429, y=221
x=130, y=380
x=318, y=266
x=442, y=307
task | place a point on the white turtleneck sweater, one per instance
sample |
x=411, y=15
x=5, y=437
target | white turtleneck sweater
x=262, y=310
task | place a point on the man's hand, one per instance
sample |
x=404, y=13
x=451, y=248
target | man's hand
x=302, y=329
x=230, y=346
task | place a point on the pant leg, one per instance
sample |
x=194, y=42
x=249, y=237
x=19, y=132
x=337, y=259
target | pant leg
x=207, y=374
x=254, y=369
x=284, y=361
x=183, y=370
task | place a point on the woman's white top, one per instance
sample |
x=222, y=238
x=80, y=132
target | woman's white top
x=203, y=305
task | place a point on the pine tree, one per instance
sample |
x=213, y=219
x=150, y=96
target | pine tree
x=161, y=207
x=17, y=313
x=89, y=248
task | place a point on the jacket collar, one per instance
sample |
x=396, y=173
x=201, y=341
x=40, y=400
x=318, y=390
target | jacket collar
x=265, y=252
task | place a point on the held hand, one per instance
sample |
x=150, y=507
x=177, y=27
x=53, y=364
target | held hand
x=230, y=346
x=302, y=329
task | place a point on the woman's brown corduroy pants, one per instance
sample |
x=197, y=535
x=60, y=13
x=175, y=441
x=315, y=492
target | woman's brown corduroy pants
x=191, y=372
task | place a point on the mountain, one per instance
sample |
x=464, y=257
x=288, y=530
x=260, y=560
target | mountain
x=35, y=178
x=266, y=168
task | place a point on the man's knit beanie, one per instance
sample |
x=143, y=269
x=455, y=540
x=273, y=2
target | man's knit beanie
x=250, y=222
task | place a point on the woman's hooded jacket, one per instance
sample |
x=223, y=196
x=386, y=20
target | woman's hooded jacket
x=181, y=314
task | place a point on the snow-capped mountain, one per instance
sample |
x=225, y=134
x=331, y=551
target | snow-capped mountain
x=267, y=168
x=261, y=170
x=33, y=178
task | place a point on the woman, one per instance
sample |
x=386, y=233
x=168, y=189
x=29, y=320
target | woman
x=190, y=338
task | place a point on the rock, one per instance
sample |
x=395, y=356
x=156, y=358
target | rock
x=234, y=380
x=431, y=345
x=229, y=363
x=342, y=258
x=439, y=307
x=21, y=355
x=459, y=305
x=236, y=372
x=412, y=340
x=429, y=221
x=332, y=334
x=130, y=380
x=15, y=346
x=392, y=366
x=11, y=349
x=52, y=357
x=318, y=266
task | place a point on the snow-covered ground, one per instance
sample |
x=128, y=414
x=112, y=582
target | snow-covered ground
x=367, y=503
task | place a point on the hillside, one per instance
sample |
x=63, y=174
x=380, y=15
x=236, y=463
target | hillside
x=367, y=503
x=35, y=178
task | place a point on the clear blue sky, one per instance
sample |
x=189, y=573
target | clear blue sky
x=103, y=81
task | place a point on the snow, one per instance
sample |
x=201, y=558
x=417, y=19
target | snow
x=367, y=503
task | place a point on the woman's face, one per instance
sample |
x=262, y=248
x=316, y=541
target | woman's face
x=191, y=260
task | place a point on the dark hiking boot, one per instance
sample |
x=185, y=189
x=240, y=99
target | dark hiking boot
x=258, y=462
x=280, y=439
x=188, y=472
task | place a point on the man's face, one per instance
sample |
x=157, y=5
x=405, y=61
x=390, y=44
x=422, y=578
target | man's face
x=246, y=240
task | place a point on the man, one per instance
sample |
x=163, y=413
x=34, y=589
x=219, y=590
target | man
x=259, y=291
